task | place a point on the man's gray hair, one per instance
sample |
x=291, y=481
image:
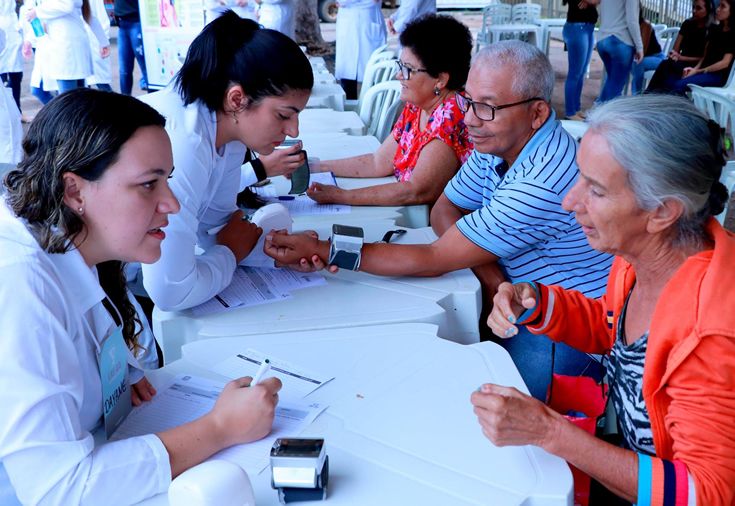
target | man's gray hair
x=533, y=74
x=670, y=150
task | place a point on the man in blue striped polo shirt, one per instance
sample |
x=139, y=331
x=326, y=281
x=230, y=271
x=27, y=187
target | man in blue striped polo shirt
x=501, y=215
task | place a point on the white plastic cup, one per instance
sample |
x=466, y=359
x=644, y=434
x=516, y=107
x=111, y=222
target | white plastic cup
x=315, y=165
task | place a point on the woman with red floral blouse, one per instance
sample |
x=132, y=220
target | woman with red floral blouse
x=430, y=141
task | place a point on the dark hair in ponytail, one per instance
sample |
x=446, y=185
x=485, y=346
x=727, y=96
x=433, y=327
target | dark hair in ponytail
x=86, y=11
x=231, y=50
x=81, y=131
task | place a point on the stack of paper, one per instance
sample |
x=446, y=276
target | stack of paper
x=302, y=205
x=251, y=286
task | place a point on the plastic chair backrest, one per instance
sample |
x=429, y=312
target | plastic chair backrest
x=388, y=121
x=377, y=102
x=525, y=13
x=496, y=14
x=376, y=72
x=667, y=38
x=728, y=179
x=575, y=128
x=658, y=28
x=718, y=107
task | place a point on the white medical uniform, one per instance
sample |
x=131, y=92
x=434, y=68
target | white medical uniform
x=11, y=130
x=360, y=31
x=53, y=326
x=41, y=75
x=215, y=9
x=101, y=66
x=410, y=10
x=279, y=15
x=206, y=181
x=70, y=55
x=11, y=59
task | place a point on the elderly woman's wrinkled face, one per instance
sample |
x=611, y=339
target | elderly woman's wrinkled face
x=418, y=89
x=603, y=202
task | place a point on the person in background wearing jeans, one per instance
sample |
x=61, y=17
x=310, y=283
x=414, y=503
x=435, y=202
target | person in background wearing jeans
x=653, y=55
x=130, y=44
x=619, y=43
x=580, y=41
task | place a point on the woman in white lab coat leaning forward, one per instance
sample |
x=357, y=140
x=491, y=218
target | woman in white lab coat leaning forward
x=240, y=89
x=85, y=199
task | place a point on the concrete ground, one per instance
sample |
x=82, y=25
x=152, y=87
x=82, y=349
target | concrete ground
x=473, y=19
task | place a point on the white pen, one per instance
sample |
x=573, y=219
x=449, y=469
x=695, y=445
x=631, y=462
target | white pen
x=264, y=367
x=216, y=230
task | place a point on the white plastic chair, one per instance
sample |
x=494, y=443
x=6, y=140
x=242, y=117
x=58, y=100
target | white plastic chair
x=525, y=13
x=575, y=128
x=493, y=14
x=376, y=105
x=658, y=28
x=666, y=39
x=388, y=121
x=375, y=58
x=728, y=179
x=718, y=107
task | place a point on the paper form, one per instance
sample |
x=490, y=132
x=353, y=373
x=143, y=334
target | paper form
x=268, y=190
x=323, y=178
x=287, y=279
x=297, y=381
x=303, y=205
x=188, y=397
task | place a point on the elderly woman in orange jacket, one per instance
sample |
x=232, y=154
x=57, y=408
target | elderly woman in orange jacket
x=647, y=192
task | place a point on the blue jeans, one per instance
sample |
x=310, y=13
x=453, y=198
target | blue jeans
x=617, y=57
x=648, y=63
x=104, y=87
x=531, y=354
x=682, y=85
x=69, y=84
x=130, y=48
x=42, y=95
x=580, y=41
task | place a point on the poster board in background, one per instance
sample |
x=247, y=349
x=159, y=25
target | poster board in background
x=169, y=27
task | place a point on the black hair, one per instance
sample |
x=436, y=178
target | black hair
x=81, y=131
x=443, y=44
x=231, y=50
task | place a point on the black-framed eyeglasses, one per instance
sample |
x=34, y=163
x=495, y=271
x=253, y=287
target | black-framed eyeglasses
x=405, y=71
x=485, y=112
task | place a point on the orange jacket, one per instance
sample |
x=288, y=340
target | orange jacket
x=689, y=372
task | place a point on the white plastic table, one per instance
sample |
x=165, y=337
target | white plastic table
x=399, y=428
x=549, y=25
x=534, y=30
x=319, y=121
x=348, y=300
x=327, y=95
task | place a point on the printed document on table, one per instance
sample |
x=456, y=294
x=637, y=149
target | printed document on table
x=284, y=280
x=249, y=286
x=188, y=397
x=323, y=178
x=297, y=381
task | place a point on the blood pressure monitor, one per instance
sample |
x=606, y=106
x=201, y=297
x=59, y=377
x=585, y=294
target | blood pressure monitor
x=299, y=469
x=346, y=249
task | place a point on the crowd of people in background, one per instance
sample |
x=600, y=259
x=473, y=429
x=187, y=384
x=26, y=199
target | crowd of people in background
x=608, y=246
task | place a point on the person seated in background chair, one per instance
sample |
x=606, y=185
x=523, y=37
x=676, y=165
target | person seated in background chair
x=501, y=214
x=714, y=67
x=429, y=141
x=648, y=191
x=689, y=45
x=653, y=55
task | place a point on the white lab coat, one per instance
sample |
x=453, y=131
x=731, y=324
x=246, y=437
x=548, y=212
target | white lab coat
x=11, y=130
x=410, y=10
x=70, y=55
x=206, y=182
x=360, y=31
x=215, y=10
x=101, y=66
x=53, y=326
x=41, y=59
x=11, y=59
x=279, y=15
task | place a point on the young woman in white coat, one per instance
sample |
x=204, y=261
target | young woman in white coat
x=278, y=15
x=240, y=89
x=11, y=131
x=86, y=198
x=71, y=56
x=11, y=61
x=102, y=76
x=360, y=31
x=43, y=86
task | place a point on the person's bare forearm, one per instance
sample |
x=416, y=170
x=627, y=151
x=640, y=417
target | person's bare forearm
x=615, y=468
x=444, y=215
x=191, y=444
x=402, y=193
x=357, y=166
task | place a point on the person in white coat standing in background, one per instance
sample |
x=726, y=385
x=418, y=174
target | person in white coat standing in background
x=102, y=67
x=360, y=31
x=278, y=15
x=11, y=61
x=243, y=8
x=37, y=48
x=407, y=12
x=71, y=56
x=11, y=131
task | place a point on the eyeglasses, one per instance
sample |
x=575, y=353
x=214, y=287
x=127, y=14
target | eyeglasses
x=485, y=112
x=406, y=71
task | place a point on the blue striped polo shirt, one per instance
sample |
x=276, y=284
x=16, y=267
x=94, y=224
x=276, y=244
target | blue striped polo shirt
x=518, y=216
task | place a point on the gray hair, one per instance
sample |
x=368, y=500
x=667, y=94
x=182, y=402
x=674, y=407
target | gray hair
x=534, y=76
x=670, y=150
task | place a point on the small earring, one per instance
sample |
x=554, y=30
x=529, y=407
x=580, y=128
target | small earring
x=234, y=117
x=436, y=91
x=80, y=209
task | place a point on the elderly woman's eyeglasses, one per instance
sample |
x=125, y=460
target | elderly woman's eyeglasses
x=485, y=112
x=406, y=71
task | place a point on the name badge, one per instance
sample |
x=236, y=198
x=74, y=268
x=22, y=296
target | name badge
x=116, y=400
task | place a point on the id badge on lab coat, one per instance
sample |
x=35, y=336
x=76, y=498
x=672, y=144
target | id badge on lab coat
x=116, y=398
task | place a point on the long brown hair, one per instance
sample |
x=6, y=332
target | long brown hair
x=81, y=131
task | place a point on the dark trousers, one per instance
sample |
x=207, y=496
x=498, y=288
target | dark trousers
x=12, y=80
